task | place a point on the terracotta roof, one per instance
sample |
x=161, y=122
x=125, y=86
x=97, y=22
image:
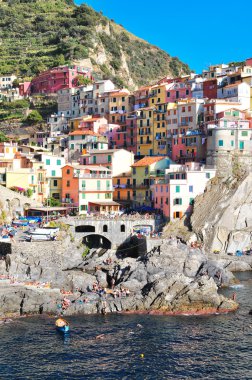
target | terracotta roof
x=81, y=133
x=146, y=161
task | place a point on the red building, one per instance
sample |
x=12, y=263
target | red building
x=210, y=89
x=57, y=78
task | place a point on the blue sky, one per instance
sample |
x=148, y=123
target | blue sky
x=198, y=32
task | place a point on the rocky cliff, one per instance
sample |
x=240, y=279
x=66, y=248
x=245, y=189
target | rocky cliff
x=222, y=216
x=171, y=279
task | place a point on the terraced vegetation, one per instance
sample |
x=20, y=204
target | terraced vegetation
x=39, y=34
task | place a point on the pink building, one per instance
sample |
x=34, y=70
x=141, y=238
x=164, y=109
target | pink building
x=175, y=91
x=24, y=88
x=57, y=78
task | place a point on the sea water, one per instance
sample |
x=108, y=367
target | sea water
x=133, y=346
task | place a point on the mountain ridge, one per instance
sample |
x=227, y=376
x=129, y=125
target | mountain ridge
x=36, y=35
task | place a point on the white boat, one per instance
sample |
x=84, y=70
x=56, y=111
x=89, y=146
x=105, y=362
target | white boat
x=44, y=231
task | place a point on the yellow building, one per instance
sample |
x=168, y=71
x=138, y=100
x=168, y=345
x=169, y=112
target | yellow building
x=122, y=185
x=22, y=180
x=144, y=173
x=159, y=130
x=120, y=104
x=145, y=131
x=157, y=94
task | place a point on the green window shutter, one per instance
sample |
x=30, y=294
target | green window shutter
x=225, y=123
x=108, y=184
x=244, y=133
x=83, y=196
x=177, y=189
x=94, y=159
x=207, y=175
x=101, y=145
x=180, y=201
x=83, y=137
x=241, y=145
x=232, y=133
x=109, y=158
x=58, y=162
x=53, y=173
x=232, y=142
x=98, y=195
x=72, y=146
x=48, y=161
x=72, y=137
x=98, y=185
x=83, y=184
x=221, y=143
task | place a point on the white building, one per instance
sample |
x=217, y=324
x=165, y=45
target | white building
x=6, y=81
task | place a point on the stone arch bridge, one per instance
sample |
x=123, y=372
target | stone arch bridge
x=110, y=233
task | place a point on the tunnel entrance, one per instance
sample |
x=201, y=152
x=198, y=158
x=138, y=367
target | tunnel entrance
x=86, y=228
x=97, y=241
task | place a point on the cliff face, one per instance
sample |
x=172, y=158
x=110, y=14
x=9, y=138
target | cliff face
x=222, y=216
x=39, y=34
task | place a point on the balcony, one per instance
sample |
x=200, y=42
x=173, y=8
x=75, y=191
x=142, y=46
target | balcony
x=141, y=116
x=141, y=186
x=145, y=142
x=157, y=173
x=123, y=186
x=92, y=175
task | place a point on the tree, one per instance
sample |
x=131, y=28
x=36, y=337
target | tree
x=52, y=202
x=15, y=83
x=82, y=81
x=3, y=138
x=34, y=118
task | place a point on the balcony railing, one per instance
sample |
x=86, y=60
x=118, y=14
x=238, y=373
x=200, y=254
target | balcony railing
x=92, y=175
x=159, y=173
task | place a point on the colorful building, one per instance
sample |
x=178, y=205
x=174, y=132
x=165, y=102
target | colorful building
x=123, y=191
x=58, y=78
x=144, y=173
x=145, y=131
x=88, y=188
x=175, y=193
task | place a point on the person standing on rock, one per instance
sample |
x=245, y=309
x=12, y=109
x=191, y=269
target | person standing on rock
x=7, y=262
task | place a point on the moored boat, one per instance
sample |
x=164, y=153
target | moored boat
x=62, y=325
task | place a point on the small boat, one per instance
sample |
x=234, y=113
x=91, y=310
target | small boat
x=62, y=325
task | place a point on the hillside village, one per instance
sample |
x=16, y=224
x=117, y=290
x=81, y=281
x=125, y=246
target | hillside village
x=108, y=149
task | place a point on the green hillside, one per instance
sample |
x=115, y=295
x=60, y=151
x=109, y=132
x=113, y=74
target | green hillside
x=39, y=34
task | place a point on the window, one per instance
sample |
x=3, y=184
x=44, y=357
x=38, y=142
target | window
x=108, y=196
x=208, y=175
x=55, y=183
x=109, y=156
x=177, y=201
x=244, y=133
x=191, y=202
x=190, y=189
x=53, y=173
x=58, y=162
x=94, y=159
x=68, y=171
x=177, y=189
x=123, y=228
x=123, y=99
x=168, y=94
x=241, y=145
x=68, y=184
x=48, y=162
x=105, y=228
x=107, y=184
x=134, y=170
x=232, y=143
x=83, y=196
x=98, y=185
x=72, y=146
x=83, y=185
x=83, y=207
x=232, y=133
x=221, y=143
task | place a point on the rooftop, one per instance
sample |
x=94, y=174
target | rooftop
x=147, y=161
x=81, y=133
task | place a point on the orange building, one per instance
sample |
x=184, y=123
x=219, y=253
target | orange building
x=70, y=186
x=123, y=191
